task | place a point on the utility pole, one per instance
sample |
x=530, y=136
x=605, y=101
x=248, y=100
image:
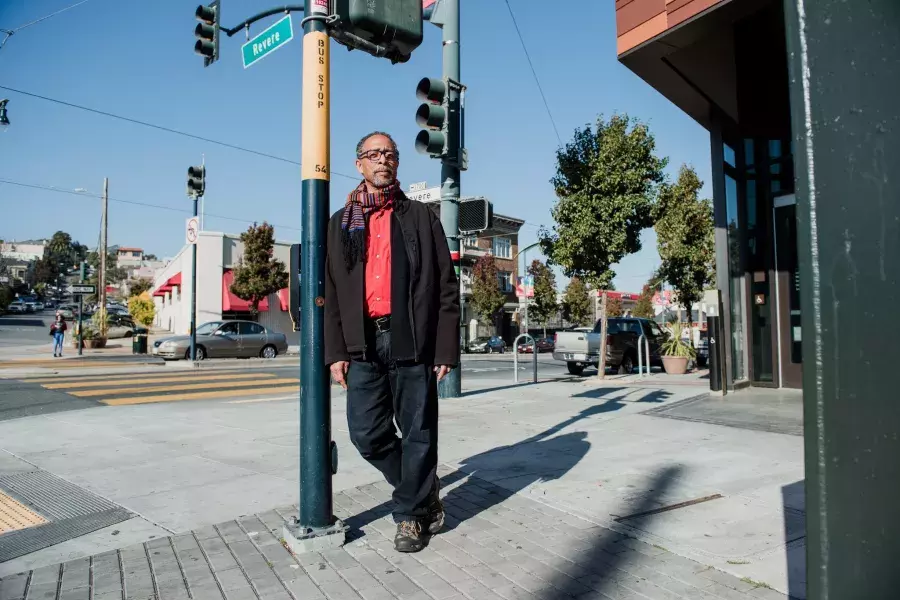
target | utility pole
x=82, y=272
x=101, y=278
x=316, y=525
x=451, y=385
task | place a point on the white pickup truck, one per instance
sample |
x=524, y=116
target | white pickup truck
x=579, y=349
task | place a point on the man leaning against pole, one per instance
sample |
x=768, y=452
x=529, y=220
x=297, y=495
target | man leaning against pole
x=392, y=332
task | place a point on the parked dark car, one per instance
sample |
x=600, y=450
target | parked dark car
x=486, y=345
x=543, y=344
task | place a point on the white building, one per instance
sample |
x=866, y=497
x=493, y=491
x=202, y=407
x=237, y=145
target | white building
x=26, y=250
x=217, y=255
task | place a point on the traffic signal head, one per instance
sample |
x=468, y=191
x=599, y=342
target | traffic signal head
x=432, y=115
x=475, y=215
x=4, y=119
x=389, y=28
x=207, y=32
x=196, y=183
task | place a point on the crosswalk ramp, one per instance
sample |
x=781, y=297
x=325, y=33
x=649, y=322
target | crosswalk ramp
x=146, y=388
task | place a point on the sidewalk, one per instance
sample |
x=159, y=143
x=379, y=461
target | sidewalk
x=558, y=461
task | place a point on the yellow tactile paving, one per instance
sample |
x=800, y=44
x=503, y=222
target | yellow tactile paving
x=260, y=390
x=187, y=386
x=15, y=515
x=72, y=384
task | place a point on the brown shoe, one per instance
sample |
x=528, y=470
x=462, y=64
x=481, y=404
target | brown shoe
x=409, y=537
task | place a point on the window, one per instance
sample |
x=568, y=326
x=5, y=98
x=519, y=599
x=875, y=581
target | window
x=505, y=278
x=229, y=329
x=502, y=247
x=247, y=328
x=470, y=241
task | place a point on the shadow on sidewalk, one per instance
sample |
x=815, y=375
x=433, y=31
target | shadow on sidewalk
x=605, y=555
x=511, y=468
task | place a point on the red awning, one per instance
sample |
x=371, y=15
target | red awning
x=230, y=302
x=174, y=280
x=159, y=294
x=165, y=288
x=284, y=298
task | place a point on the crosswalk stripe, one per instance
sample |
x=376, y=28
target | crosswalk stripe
x=199, y=395
x=108, y=382
x=71, y=364
x=189, y=386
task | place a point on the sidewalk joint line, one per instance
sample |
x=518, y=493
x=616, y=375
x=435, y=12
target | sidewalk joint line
x=187, y=584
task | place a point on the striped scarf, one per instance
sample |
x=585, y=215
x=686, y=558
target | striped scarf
x=353, y=224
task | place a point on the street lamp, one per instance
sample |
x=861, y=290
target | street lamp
x=4, y=120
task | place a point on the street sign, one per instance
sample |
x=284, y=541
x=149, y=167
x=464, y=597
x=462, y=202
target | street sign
x=82, y=289
x=426, y=195
x=267, y=42
x=192, y=230
x=418, y=187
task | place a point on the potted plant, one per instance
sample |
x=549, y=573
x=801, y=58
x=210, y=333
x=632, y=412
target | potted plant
x=676, y=353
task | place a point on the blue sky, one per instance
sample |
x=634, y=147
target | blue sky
x=136, y=59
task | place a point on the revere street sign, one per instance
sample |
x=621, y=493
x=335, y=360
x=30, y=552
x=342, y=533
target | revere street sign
x=82, y=289
x=267, y=42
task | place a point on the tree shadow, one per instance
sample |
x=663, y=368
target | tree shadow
x=512, y=468
x=794, y=509
x=607, y=553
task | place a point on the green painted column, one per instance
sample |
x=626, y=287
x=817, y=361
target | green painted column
x=844, y=58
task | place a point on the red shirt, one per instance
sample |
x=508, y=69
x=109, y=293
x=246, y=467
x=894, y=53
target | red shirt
x=378, y=263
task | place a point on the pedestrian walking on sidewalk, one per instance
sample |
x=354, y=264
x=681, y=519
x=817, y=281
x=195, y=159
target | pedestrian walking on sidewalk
x=392, y=332
x=58, y=331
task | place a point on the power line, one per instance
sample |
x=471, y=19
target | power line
x=10, y=32
x=163, y=128
x=533, y=72
x=49, y=188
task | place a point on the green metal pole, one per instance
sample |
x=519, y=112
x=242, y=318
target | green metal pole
x=451, y=385
x=844, y=60
x=194, y=292
x=81, y=307
x=316, y=516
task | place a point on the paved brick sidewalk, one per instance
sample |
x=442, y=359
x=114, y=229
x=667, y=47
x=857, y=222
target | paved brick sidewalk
x=496, y=545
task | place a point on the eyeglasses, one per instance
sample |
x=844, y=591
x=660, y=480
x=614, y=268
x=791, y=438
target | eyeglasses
x=374, y=155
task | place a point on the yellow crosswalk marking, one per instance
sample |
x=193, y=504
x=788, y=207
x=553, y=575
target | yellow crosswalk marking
x=142, y=379
x=201, y=395
x=189, y=386
x=72, y=364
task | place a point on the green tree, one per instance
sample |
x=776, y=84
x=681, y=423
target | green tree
x=644, y=307
x=258, y=273
x=685, y=238
x=487, y=299
x=142, y=309
x=150, y=257
x=543, y=306
x=6, y=296
x=139, y=286
x=59, y=248
x=576, y=303
x=614, y=306
x=45, y=270
x=606, y=181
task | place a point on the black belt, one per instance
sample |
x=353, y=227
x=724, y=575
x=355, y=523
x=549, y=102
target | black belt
x=381, y=324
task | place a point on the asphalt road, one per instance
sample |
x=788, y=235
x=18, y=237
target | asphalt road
x=25, y=330
x=219, y=380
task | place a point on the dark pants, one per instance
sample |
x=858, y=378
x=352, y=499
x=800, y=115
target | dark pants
x=380, y=391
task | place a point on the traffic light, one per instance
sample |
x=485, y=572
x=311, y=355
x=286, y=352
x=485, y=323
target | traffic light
x=196, y=183
x=207, y=32
x=434, y=115
x=475, y=215
x=387, y=28
x=4, y=119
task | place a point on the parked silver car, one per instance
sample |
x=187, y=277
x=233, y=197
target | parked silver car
x=224, y=339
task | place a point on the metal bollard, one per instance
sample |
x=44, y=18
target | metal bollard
x=516, y=357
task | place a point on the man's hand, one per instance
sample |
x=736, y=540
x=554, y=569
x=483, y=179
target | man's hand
x=339, y=372
x=442, y=371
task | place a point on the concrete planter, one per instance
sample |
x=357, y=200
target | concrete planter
x=675, y=365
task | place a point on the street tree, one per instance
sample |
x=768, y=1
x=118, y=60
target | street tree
x=614, y=307
x=644, y=307
x=576, y=303
x=606, y=180
x=59, y=248
x=543, y=306
x=487, y=298
x=685, y=238
x=139, y=286
x=45, y=270
x=258, y=273
x=142, y=309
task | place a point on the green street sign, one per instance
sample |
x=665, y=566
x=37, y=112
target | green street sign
x=270, y=40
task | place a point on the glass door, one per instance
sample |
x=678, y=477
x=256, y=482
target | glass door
x=787, y=284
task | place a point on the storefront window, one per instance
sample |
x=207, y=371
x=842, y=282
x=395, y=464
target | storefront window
x=735, y=277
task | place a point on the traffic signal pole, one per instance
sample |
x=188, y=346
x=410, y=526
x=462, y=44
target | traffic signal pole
x=316, y=527
x=194, y=294
x=451, y=385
